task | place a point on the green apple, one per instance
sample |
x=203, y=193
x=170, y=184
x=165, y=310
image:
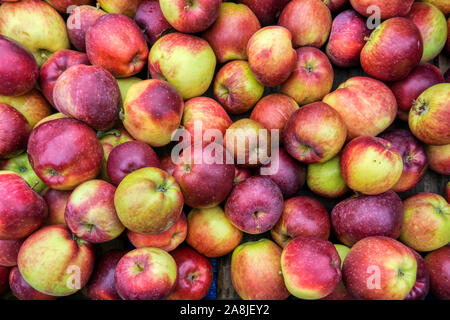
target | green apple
x=342, y=252
x=21, y=166
x=324, y=179
x=125, y=84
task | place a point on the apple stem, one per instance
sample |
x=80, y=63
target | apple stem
x=101, y=134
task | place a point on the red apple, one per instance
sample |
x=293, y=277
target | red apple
x=14, y=132
x=150, y=18
x=386, y=8
x=439, y=158
x=241, y=174
x=4, y=274
x=65, y=6
x=22, y=290
x=56, y=201
x=422, y=285
x=443, y=5
x=437, y=263
x=9, y=249
x=335, y=5
x=125, y=7
x=267, y=11
x=167, y=164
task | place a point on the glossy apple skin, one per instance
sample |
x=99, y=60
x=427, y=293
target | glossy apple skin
x=414, y=157
x=335, y=5
x=314, y=133
x=302, y=216
x=241, y=174
x=113, y=31
x=168, y=240
x=152, y=111
x=429, y=114
x=426, y=226
x=195, y=275
x=312, y=77
x=14, y=131
x=371, y=165
x=48, y=271
x=56, y=201
x=346, y=41
x=4, y=274
x=286, y=172
x=364, y=216
x=18, y=68
x=229, y=34
x=145, y=274
x=150, y=18
x=63, y=6
x=256, y=271
x=167, y=164
x=388, y=8
x=340, y=292
x=128, y=157
x=211, y=233
x=267, y=11
x=437, y=263
x=22, y=290
x=439, y=158
x=393, y=50
x=255, y=205
x=311, y=267
x=309, y=21
x=101, y=286
x=123, y=7
x=325, y=179
x=9, y=249
x=64, y=153
x=271, y=56
x=422, y=285
x=21, y=166
x=58, y=62
x=367, y=106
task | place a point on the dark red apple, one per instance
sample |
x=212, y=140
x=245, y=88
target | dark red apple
x=267, y=11
x=150, y=19
x=335, y=5
x=56, y=201
x=167, y=164
x=22, y=290
x=9, y=249
x=14, y=131
x=422, y=285
x=4, y=274
x=240, y=174
x=438, y=263
x=385, y=8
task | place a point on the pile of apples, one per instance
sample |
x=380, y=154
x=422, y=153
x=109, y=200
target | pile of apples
x=91, y=98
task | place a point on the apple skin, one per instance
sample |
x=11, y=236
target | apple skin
x=439, y=158
x=150, y=18
x=112, y=31
x=311, y=267
x=241, y=174
x=367, y=106
x=407, y=90
x=145, y=274
x=314, y=133
x=229, y=34
x=312, y=77
x=254, y=205
x=101, y=286
x=58, y=62
x=302, y=216
x=79, y=21
x=346, y=41
x=22, y=290
x=371, y=165
x=156, y=203
x=256, y=271
x=429, y=114
x=21, y=166
x=447, y=192
x=380, y=61
x=124, y=7
x=271, y=56
x=167, y=164
x=128, y=157
x=236, y=87
x=387, y=8
x=309, y=21
x=195, y=275
x=335, y=5
x=9, y=249
x=267, y=11
x=211, y=233
x=390, y=260
x=18, y=68
x=49, y=272
x=125, y=85
x=415, y=160
x=14, y=132
x=56, y=201
x=364, y=216
x=442, y=5
x=186, y=61
x=437, y=263
x=325, y=179
x=152, y=111
x=426, y=226
x=65, y=6
x=168, y=240
x=64, y=153
x=422, y=285
x=447, y=46
x=340, y=293
x=4, y=274
x=289, y=174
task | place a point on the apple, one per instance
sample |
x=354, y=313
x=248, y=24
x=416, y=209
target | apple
x=386, y=8
x=66, y=6
x=21, y=165
x=152, y=111
x=447, y=192
x=371, y=165
x=167, y=164
x=241, y=174
x=168, y=240
x=267, y=11
x=52, y=69
x=148, y=201
x=22, y=290
x=9, y=249
x=229, y=34
x=364, y=216
x=429, y=114
x=312, y=78
x=439, y=158
x=302, y=216
x=422, y=285
x=426, y=226
x=347, y=38
x=187, y=62
x=366, y=105
x=415, y=160
x=447, y=74
x=125, y=7
x=64, y=263
x=4, y=275
x=51, y=117
x=36, y=25
x=447, y=46
x=151, y=20
x=379, y=60
x=64, y=153
x=125, y=85
x=101, y=286
x=437, y=263
x=195, y=275
x=443, y=5
x=325, y=179
x=340, y=293
x=211, y=233
x=254, y=205
x=314, y=133
x=236, y=88
x=309, y=21
x=14, y=132
x=379, y=268
x=335, y=5
x=56, y=201
x=145, y=274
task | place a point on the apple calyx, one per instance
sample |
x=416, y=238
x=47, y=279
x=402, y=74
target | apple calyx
x=420, y=107
x=162, y=188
